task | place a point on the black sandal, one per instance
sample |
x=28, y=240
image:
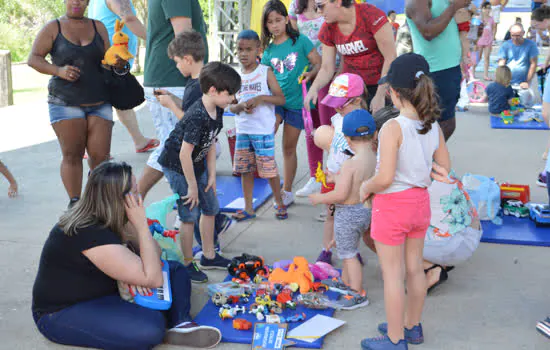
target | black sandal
x=443, y=276
x=449, y=268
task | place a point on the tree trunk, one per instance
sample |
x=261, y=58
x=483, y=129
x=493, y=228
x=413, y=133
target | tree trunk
x=6, y=90
x=137, y=65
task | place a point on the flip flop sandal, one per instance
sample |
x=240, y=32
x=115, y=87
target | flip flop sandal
x=281, y=213
x=443, y=276
x=242, y=215
x=153, y=143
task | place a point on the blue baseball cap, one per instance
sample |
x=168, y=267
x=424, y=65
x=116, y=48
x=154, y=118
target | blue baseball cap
x=358, y=119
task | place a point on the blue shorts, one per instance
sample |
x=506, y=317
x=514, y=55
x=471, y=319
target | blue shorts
x=447, y=84
x=59, y=112
x=256, y=152
x=292, y=117
x=208, y=201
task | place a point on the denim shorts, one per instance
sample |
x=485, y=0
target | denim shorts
x=292, y=117
x=163, y=119
x=447, y=84
x=208, y=201
x=59, y=112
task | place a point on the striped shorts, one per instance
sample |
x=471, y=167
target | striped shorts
x=255, y=152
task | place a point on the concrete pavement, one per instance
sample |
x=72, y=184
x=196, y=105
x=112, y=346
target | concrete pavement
x=491, y=302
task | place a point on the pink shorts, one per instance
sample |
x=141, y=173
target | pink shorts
x=400, y=215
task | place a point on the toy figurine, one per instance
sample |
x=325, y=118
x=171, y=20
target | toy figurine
x=320, y=175
x=507, y=117
x=119, y=48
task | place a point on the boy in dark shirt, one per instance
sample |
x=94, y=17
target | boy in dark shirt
x=499, y=93
x=188, y=51
x=189, y=163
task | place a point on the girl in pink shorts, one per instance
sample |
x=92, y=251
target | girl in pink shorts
x=408, y=144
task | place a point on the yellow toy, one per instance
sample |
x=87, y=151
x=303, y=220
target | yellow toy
x=320, y=175
x=119, y=48
x=298, y=272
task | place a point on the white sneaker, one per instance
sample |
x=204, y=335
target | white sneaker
x=288, y=199
x=310, y=187
x=322, y=216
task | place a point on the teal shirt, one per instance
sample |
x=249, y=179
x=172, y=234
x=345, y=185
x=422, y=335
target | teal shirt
x=444, y=51
x=161, y=71
x=98, y=10
x=288, y=61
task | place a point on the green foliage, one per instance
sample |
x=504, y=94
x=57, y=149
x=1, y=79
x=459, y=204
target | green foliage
x=19, y=42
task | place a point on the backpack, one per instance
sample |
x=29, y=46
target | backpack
x=485, y=194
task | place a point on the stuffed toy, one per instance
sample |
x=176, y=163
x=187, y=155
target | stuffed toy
x=119, y=48
x=298, y=272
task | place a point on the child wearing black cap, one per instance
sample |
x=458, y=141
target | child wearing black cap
x=408, y=145
x=351, y=218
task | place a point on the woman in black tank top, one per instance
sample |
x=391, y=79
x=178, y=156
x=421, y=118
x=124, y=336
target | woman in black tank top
x=77, y=96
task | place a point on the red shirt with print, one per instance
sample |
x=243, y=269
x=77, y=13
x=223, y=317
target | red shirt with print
x=359, y=50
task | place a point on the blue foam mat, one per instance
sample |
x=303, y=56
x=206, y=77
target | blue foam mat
x=497, y=123
x=518, y=231
x=208, y=316
x=229, y=188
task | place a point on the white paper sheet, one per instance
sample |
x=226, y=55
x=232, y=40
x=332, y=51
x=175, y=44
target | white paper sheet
x=238, y=203
x=315, y=328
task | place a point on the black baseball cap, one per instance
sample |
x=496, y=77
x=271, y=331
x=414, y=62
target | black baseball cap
x=405, y=71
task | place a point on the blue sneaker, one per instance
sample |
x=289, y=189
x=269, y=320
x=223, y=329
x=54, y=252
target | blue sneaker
x=413, y=336
x=197, y=251
x=219, y=262
x=383, y=343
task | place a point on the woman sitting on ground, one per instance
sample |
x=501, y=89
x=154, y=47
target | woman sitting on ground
x=76, y=300
x=454, y=232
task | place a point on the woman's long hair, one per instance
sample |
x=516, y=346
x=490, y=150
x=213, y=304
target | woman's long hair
x=102, y=202
x=424, y=100
x=280, y=8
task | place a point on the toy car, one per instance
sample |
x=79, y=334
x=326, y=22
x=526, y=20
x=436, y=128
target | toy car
x=241, y=324
x=540, y=214
x=247, y=267
x=515, y=208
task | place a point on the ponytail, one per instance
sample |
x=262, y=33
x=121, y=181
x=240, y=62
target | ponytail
x=424, y=99
x=541, y=13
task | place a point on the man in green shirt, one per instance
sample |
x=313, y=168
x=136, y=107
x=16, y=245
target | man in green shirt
x=166, y=18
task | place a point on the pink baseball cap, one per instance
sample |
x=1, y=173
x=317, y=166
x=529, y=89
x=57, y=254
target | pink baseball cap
x=344, y=87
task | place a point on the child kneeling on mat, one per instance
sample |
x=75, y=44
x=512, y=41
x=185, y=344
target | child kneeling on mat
x=183, y=162
x=351, y=217
x=255, y=122
x=500, y=92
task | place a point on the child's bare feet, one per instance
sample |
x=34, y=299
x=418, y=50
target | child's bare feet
x=12, y=190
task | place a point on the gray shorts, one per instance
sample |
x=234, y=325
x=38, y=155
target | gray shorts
x=350, y=223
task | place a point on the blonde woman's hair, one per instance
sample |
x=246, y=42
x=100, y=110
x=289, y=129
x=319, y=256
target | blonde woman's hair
x=503, y=75
x=103, y=200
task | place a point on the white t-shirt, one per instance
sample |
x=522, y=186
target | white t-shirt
x=336, y=155
x=262, y=120
x=414, y=157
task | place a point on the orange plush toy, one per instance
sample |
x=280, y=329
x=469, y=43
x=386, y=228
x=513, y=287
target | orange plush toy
x=298, y=272
x=119, y=48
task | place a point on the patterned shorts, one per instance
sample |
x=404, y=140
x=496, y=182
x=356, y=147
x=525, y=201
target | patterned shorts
x=256, y=152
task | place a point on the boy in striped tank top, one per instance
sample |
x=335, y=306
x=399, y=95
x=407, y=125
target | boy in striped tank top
x=255, y=121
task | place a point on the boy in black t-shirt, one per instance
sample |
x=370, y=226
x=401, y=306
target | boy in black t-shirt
x=188, y=51
x=189, y=163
